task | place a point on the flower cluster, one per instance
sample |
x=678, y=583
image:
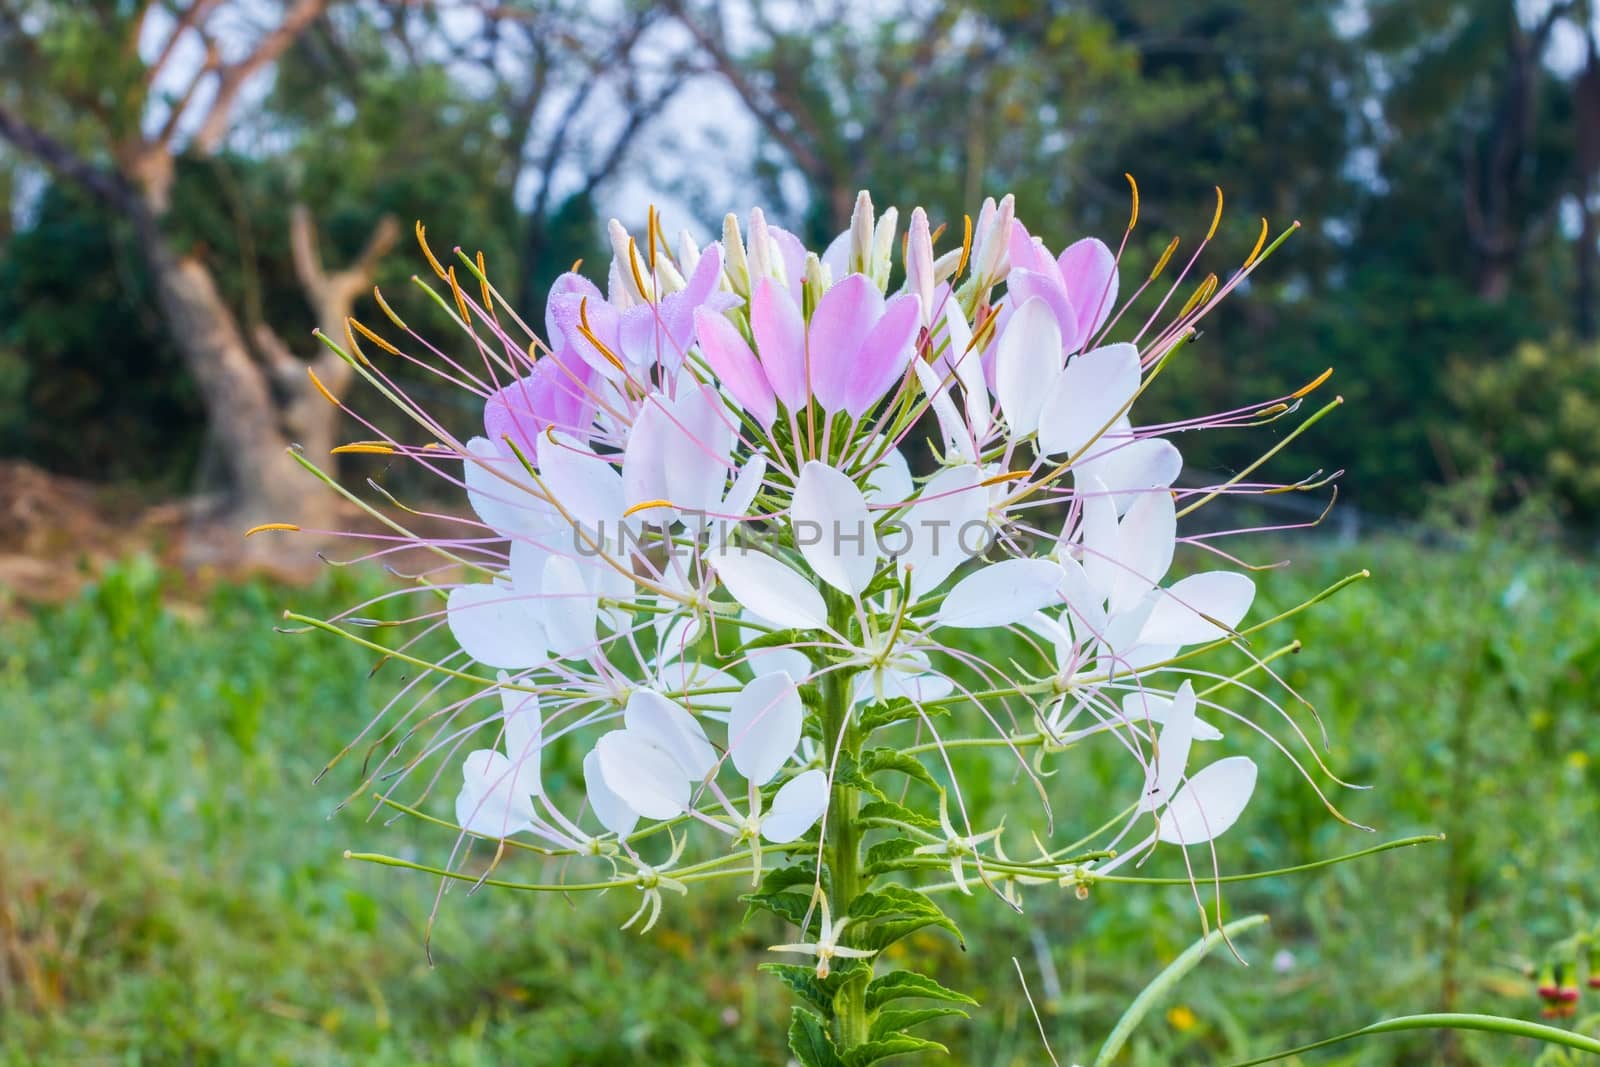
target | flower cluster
x=754, y=526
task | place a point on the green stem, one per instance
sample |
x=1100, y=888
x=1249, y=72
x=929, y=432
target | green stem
x=843, y=741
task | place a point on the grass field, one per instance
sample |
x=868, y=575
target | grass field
x=172, y=887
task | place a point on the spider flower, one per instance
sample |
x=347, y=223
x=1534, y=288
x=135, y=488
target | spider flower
x=752, y=529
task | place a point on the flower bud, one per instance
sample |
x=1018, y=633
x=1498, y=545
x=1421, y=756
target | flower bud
x=861, y=235
x=919, y=262
x=883, y=248
x=734, y=264
x=760, y=250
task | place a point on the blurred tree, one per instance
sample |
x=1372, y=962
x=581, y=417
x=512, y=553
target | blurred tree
x=80, y=98
x=1553, y=454
x=70, y=287
x=940, y=103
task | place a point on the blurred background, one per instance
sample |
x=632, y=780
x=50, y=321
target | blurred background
x=192, y=185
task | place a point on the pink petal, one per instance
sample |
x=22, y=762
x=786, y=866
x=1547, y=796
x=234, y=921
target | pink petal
x=884, y=354
x=843, y=318
x=557, y=392
x=1089, y=271
x=1024, y=285
x=780, y=333
x=735, y=365
x=1027, y=252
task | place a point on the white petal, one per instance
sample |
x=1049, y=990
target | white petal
x=1130, y=469
x=1184, y=612
x=524, y=735
x=889, y=482
x=570, y=609
x=832, y=528
x=587, y=487
x=1088, y=396
x=968, y=368
x=772, y=660
x=945, y=527
x=764, y=727
x=799, y=804
x=1027, y=363
x=609, y=808
x=644, y=477
x=742, y=493
x=1146, y=706
x=687, y=676
x=496, y=626
x=1000, y=594
x=952, y=427
x=1148, y=535
x=667, y=726
x=1172, y=751
x=697, y=447
x=770, y=590
x=643, y=777
x=489, y=803
x=1211, y=801
x=502, y=492
x=1100, y=537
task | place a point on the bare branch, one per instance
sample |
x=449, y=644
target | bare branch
x=106, y=185
x=191, y=17
x=214, y=127
x=170, y=128
x=765, y=111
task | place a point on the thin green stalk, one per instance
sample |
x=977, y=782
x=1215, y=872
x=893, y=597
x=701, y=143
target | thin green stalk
x=843, y=851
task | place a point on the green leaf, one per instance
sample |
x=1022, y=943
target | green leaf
x=899, y=985
x=786, y=892
x=1174, y=972
x=851, y=974
x=809, y=1041
x=882, y=856
x=888, y=813
x=850, y=773
x=803, y=983
x=890, y=912
x=877, y=716
x=898, y=1045
x=888, y=759
x=903, y=1019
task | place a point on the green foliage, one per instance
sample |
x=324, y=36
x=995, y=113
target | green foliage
x=809, y=1041
x=89, y=386
x=884, y=915
x=1556, y=453
x=160, y=754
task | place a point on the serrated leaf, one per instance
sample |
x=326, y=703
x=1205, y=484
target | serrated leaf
x=902, y=1019
x=803, y=983
x=899, y=985
x=891, y=912
x=850, y=773
x=809, y=1041
x=888, y=813
x=898, y=1045
x=882, y=856
x=854, y=973
x=888, y=759
x=877, y=716
x=786, y=892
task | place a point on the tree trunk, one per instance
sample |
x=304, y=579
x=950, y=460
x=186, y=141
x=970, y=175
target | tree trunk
x=263, y=483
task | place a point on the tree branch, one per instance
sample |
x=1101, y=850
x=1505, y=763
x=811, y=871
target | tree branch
x=763, y=110
x=190, y=17
x=214, y=127
x=105, y=185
